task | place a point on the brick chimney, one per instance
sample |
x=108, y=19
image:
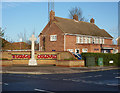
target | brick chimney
x=75, y=17
x=92, y=20
x=52, y=16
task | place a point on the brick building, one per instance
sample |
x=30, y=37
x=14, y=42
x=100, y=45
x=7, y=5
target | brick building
x=61, y=34
x=118, y=43
x=13, y=46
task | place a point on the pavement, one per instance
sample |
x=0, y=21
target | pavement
x=50, y=69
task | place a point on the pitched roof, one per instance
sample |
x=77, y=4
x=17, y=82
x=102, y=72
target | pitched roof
x=79, y=27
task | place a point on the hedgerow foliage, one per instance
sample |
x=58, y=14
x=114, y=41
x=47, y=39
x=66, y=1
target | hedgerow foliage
x=106, y=58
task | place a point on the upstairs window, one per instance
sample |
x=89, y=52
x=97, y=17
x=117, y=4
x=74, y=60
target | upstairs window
x=103, y=41
x=77, y=39
x=96, y=40
x=89, y=40
x=53, y=37
x=93, y=40
x=81, y=39
x=85, y=39
x=100, y=40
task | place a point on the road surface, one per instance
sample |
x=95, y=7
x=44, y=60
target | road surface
x=50, y=83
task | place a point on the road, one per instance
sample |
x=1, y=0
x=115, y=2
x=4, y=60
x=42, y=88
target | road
x=88, y=81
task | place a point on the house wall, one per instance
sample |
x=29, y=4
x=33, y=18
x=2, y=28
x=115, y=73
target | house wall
x=57, y=45
x=108, y=41
x=70, y=41
x=96, y=48
x=118, y=43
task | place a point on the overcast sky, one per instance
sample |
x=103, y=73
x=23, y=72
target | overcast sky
x=18, y=17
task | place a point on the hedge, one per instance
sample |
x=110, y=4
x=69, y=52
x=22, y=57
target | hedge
x=3, y=59
x=106, y=58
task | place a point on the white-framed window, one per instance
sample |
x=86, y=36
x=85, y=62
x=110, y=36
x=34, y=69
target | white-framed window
x=103, y=41
x=77, y=51
x=84, y=50
x=81, y=39
x=93, y=40
x=89, y=40
x=85, y=39
x=96, y=40
x=77, y=39
x=70, y=50
x=100, y=40
x=53, y=37
x=115, y=51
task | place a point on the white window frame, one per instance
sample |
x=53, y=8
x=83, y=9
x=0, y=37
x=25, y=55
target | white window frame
x=77, y=39
x=103, y=41
x=100, y=40
x=53, y=37
x=85, y=40
x=89, y=40
x=76, y=51
x=83, y=50
x=96, y=40
x=81, y=39
x=70, y=50
x=93, y=40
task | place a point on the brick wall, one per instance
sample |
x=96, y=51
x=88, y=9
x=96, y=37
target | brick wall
x=108, y=41
x=96, y=48
x=21, y=61
x=70, y=42
x=52, y=45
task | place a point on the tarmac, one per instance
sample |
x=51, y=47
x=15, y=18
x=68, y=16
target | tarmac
x=50, y=69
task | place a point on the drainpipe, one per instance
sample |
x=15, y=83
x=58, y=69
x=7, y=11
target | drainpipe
x=39, y=43
x=101, y=48
x=64, y=42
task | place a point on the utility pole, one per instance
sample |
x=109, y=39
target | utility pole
x=50, y=7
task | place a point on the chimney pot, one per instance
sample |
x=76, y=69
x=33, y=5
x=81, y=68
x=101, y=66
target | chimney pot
x=75, y=17
x=92, y=20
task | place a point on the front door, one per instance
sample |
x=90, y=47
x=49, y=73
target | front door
x=77, y=51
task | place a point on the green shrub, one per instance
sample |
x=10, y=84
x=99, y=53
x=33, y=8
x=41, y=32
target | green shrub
x=106, y=58
x=3, y=59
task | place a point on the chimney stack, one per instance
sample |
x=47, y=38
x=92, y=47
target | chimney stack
x=75, y=17
x=52, y=16
x=92, y=20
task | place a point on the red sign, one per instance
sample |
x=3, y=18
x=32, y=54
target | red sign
x=40, y=56
x=21, y=56
x=47, y=56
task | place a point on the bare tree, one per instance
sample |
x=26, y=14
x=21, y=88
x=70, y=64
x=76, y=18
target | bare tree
x=78, y=12
x=2, y=41
x=22, y=37
x=2, y=31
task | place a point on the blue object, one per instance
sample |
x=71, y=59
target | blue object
x=78, y=56
x=53, y=50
